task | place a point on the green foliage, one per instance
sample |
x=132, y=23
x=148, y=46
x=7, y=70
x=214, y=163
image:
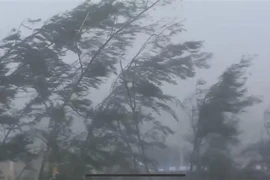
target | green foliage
x=216, y=125
x=17, y=149
x=94, y=37
x=138, y=95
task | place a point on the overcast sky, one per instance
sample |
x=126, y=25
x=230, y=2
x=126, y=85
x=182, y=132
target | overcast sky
x=229, y=28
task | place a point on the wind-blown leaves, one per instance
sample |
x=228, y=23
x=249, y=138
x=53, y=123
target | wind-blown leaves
x=137, y=92
x=216, y=126
x=59, y=64
x=93, y=36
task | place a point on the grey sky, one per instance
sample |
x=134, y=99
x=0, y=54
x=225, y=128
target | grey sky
x=229, y=29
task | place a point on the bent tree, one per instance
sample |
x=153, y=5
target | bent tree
x=215, y=119
x=57, y=67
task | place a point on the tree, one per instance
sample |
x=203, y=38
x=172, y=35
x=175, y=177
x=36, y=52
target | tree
x=215, y=123
x=137, y=94
x=97, y=33
x=257, y=153
x=59, y=87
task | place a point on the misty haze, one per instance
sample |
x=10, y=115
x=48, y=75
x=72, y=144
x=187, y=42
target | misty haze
x=134, y=86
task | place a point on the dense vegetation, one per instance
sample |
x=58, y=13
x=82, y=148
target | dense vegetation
x=48, y=78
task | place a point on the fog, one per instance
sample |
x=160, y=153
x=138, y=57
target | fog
x=229, y=30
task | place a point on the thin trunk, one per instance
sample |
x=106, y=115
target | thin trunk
x=195, y=153
x=44, y=160
x=22, y=171
x=192, y=155
x=129, y=146
x=142, y=148
x=132, y=104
